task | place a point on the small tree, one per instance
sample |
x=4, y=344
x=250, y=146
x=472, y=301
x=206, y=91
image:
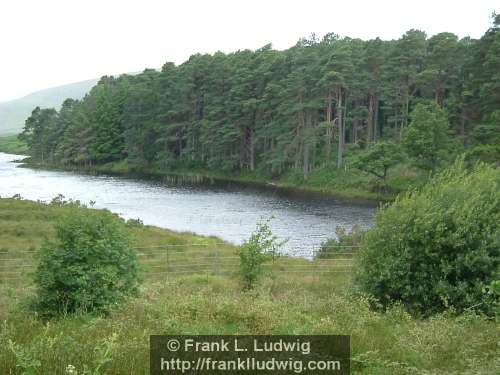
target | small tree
x=378, y=159
x=427, y=140
x=261, y=247
x=90, y=266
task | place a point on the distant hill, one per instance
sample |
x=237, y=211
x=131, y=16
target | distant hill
x=13, y=113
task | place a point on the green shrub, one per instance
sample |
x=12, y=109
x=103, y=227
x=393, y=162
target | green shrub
x=89, y=268
x=345, y=242
x=438, y=248
x=262, y=246
x=485, y=153
x=135, y=223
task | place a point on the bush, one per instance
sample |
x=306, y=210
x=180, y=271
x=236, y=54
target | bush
x=262, y=246
x=345, y=242
x=438, y=248
x=89, y=268
x=135, y=223
x=484, y=153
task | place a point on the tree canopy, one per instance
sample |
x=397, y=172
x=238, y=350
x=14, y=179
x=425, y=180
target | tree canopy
x=273, y=112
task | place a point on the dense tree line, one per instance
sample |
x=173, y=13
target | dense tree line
x=274, y=111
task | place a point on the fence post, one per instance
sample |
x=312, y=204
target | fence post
x=207, y=258
x=168, y=263
x=314, y=267
x=216, y=259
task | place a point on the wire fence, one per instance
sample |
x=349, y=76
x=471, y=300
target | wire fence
x=171, y=260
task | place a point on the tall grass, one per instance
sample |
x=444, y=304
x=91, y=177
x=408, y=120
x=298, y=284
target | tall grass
x=212, y=302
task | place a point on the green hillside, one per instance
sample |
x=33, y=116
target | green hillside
x=12, y=145
x=13, y=113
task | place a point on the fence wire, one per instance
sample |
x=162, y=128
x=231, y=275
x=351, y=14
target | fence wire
x=200, y=258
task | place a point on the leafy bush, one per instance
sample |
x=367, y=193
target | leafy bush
x=438, y=248
x=345, y=242
x=262, y=246
x=484, y=153
x=135, y=223
x=89, y=268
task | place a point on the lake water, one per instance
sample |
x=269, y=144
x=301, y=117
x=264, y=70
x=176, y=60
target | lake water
x=230, y=211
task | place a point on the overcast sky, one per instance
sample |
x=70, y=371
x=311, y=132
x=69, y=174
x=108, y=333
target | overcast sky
x=49, y=43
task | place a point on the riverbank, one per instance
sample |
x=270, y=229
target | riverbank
x=227, y=210
x=202, y=302
x=347, y=185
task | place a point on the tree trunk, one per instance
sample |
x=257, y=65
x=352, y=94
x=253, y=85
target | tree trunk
x=329, y=129
x=306, y=161
x=369, y=123
x=462, y=125
x=341, y=129
x=247, y=149
x=307, y=146
x=355, y=131
x=406, y=109
x=376, y=130
x=299, y=140
x=252, y=156
x=386, y=187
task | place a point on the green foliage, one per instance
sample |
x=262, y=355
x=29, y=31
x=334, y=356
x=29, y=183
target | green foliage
x=90, y=267
x=345, y=242
x=103, y=353
x=25, y=360
x=427, y=140
x=388, y=343
x=486, y=138
x=492, y=296
x=489, y=131
x=28, y=363
x=378, y=159
x=12, y=145
x=489, y=153
x=385, y=343
x=135, y=223
x=261, y=247
x=278, y=113
x=437, y=248
x=41, y=132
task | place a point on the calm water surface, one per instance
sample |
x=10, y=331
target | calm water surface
x=229, y=212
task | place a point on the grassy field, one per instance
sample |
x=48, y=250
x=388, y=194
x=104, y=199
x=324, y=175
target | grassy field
x=11, y=145
x=188, y=297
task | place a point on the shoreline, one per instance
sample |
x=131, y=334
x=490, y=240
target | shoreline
x=195, y=178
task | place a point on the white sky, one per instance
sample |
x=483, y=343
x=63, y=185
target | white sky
x=46, y=43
